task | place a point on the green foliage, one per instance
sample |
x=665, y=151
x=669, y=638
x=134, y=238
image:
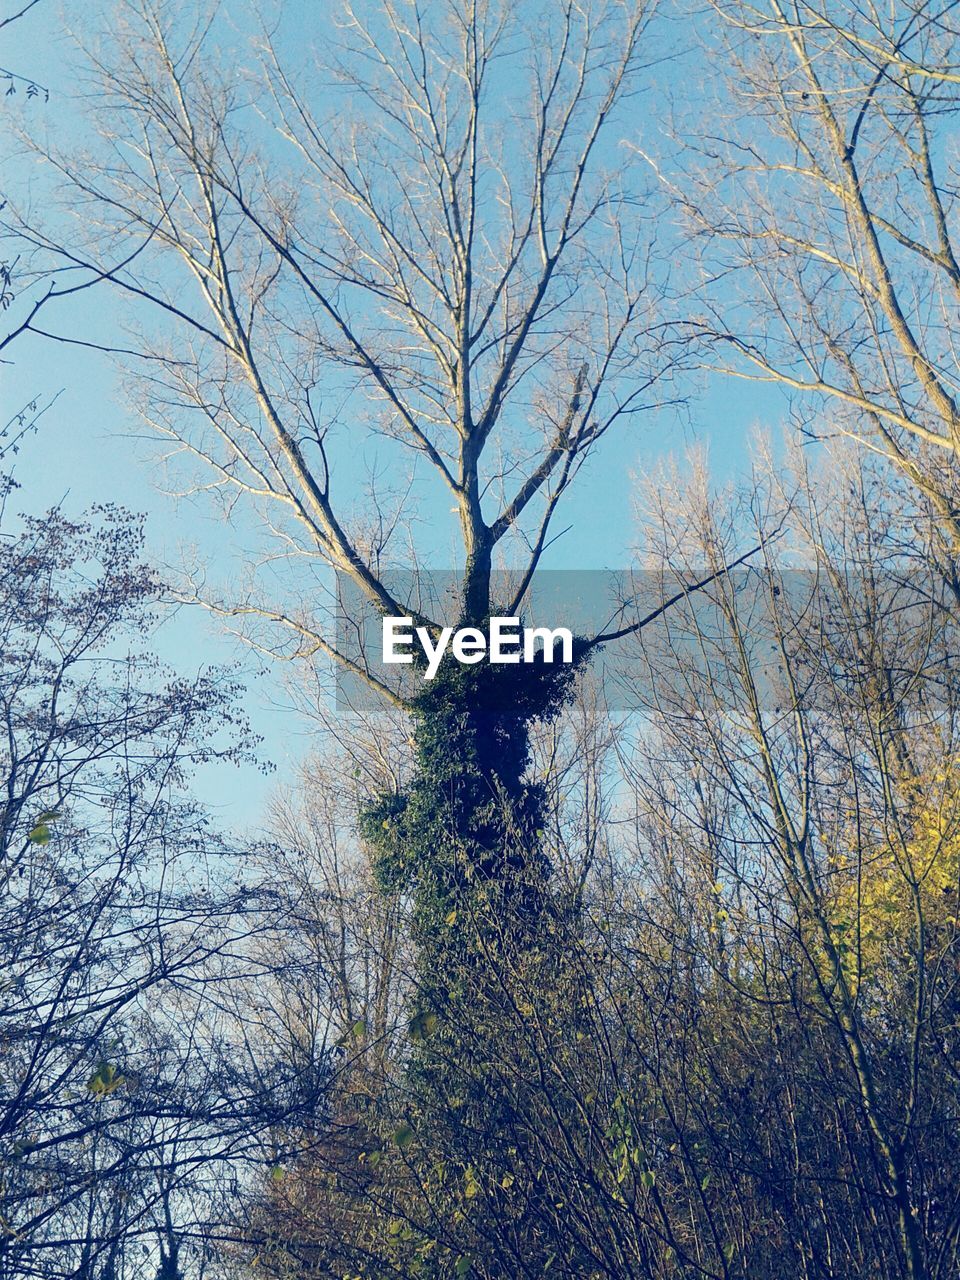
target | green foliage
x=105, y=1080
x=464, y=842
x=403, y=1136
x=40, y=833
x=469, y=818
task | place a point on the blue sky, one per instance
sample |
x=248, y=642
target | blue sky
x=90, y=449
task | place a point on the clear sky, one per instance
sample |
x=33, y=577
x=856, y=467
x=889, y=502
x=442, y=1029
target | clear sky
x=90, y=448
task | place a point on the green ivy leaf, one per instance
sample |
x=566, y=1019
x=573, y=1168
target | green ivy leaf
x=105, y=1080
x=423, y=1025
x=353, y=1032
x=40, y=833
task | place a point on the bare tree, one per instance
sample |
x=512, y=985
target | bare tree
x=427, y=241
x=825, y=200
x=808, y=829
x=123, y=924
